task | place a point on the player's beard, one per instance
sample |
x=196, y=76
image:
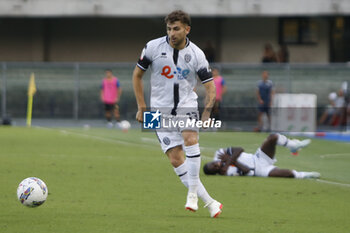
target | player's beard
x=177, y=42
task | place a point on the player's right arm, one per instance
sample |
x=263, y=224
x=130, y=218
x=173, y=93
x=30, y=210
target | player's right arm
x=142, y=65
x=241, y=167
x=138, y=90
x=230, y=158
x=236, y=152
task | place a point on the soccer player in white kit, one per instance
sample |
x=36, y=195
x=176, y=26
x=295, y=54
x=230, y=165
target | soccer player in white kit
x=233, y=161
x=175, y=62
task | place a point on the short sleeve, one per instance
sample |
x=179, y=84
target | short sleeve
x=258, y=85
x=146, y=58
x=203, y=70
x=223, y=82
x=218, y=154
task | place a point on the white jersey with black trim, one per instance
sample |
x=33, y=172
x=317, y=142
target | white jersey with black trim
x=174, y=72
x=244, y=158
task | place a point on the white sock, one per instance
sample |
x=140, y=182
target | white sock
x=193, y=166
x=182, y=173
x=298, y=175
x=284, y=141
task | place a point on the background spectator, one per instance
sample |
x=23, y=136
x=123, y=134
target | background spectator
x=264, y=94
x=283, y=54
x=269, y=54
x=110, y=95
x=220, y=91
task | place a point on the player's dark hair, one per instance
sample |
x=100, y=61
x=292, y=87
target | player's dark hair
x=207, y=171
x=178, y=15
x=110, y=70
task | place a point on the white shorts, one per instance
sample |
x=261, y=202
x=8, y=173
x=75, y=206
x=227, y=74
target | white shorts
x=170, y=139
x=172, y=136
x=263, y=163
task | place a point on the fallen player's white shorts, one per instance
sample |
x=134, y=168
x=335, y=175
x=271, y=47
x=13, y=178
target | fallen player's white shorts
x=263, y=163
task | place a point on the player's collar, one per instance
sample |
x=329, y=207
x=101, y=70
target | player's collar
x=187, y=41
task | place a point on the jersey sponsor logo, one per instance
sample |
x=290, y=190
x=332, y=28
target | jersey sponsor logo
x=152, y=120
x=180, y=73
x=166, y=72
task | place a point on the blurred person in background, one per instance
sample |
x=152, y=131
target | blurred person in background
x=220, y=91
x=264, y=95
x=346, y=108
x=330, y=109
x=269, y=54
x=283, y=54
x=110, y=96
x=338, y=116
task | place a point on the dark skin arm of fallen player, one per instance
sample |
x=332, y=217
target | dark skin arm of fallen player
x=242, y=167
x=235, y=162
x=228, y=160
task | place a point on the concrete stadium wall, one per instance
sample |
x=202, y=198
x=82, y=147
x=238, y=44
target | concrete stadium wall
x=243, y=40
x=121, y=39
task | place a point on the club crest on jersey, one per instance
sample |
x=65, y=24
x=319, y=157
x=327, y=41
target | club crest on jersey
x=187, y=58
x=166, y=141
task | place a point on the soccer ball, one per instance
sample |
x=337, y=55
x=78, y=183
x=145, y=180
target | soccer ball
x=125, y=125
x=32, y=192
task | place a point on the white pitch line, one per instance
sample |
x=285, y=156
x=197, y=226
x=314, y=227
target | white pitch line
x=152, y=140
x=116, y=141
x=120, y=142
x=332, y=155
x=203, y=156
x=332, y=182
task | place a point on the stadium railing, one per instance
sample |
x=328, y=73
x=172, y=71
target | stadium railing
x=72, y=90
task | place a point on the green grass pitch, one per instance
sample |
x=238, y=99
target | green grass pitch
x=102, y=180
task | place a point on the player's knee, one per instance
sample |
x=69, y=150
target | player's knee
x=190, y=140
x=272, y=137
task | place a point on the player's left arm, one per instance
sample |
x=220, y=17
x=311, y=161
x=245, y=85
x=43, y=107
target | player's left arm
x=205, y=75
x=101, y=93
x=272, y=93
x=210, y=94
x=119, y=91
x=224, y=88
x=243, y=168
x=228, y=160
